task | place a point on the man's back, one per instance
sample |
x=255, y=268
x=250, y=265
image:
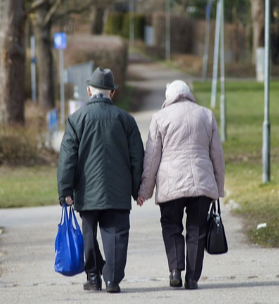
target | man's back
x=105, y=138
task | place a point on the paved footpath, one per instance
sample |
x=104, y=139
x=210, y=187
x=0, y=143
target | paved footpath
x=246, y=274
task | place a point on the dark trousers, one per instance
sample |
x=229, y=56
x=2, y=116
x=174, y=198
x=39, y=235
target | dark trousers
x=172, y=213
x=114, y=226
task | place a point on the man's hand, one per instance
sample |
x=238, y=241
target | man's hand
x=69, y=201
x=140, y=201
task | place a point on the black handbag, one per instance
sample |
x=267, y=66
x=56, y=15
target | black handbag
x=216, y=241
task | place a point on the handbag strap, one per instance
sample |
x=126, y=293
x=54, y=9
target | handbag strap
x=73, y=216
x=64, y=215
x=219, y=209
x=213, y=207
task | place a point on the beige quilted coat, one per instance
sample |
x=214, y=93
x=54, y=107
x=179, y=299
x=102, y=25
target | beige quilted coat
x=184, y=155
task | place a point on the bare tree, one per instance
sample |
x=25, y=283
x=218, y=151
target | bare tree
x=42, y=21
x=257, y=14
x=98, y=20
x=51, y=12
x=14, y=52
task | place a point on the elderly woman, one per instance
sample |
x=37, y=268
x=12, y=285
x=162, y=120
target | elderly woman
x=184, y=158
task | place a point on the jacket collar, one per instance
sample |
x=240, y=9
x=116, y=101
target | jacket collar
x=177, y=98
x=99, y=99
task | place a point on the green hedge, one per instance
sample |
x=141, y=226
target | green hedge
x=182, y=32
x=114, y=24
x=139, y=24
x=119, y=24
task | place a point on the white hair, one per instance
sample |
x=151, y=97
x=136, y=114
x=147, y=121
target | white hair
x=96, y=91
x=176, y=87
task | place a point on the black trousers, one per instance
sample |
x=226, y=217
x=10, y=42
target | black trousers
x=172, y=213
x=114, y=226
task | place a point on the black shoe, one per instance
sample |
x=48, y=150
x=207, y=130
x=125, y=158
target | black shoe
x=112, y=287
x=175, y=278
x=191, y=284
x=94, y=282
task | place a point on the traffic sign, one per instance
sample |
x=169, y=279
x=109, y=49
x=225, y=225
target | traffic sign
x=60, y=40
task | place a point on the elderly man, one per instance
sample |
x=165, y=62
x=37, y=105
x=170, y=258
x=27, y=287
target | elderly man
x=99, y=169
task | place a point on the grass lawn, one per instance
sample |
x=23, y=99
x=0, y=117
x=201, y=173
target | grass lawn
x=28, y=186
x=259, y=203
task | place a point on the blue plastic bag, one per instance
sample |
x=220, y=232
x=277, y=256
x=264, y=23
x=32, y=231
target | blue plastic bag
x=69, y=247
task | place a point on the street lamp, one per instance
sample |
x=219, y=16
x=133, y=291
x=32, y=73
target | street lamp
x=222, y=66
x=131, y=17
x=219, y=45
x=216, y=56
x=167, y=30
x=266, y=123
x=207, y=35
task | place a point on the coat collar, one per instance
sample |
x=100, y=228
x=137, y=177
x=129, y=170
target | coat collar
x=99, y=99
x=180, y=97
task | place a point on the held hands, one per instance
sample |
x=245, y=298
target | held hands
x=140, y=201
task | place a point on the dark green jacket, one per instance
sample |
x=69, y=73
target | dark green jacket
x=101, y=157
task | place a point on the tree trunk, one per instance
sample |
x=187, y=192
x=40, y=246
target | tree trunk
x=42, y=33
x=98, y=21
x=14, y=51
x=257, y=13
x=3, y=30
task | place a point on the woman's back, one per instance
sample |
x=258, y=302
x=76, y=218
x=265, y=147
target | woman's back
x=184, y=136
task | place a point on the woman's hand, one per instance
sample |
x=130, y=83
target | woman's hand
x=140, y=201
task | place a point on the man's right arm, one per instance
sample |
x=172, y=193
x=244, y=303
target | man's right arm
x=67, y=163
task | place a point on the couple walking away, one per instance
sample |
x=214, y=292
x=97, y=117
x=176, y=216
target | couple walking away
x=102, y=164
